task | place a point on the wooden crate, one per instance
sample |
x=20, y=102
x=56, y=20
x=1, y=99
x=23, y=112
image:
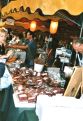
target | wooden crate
x=75, y=83
x=82, y=82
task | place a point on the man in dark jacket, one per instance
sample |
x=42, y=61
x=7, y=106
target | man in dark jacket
x=31, y=49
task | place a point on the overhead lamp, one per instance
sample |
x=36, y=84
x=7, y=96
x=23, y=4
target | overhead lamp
x=53, y=27
x=33, y=26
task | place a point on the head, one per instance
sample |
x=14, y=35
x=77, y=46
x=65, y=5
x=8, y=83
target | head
x=3, y=34
x=29, y=35
x=46, y=39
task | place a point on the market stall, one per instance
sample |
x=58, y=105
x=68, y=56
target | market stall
x=28, y=85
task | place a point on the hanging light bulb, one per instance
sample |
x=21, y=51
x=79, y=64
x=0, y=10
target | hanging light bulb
x=53, y=27
x=33, y=26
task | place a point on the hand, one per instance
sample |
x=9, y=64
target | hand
x=9, y=53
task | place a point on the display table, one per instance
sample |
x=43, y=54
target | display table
x=14, y=106
x=9, y=112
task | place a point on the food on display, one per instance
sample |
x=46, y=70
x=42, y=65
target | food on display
x=28, y=84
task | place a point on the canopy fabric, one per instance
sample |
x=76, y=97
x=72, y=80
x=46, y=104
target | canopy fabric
x=48, y=7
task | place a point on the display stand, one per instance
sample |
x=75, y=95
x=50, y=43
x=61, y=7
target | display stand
x=75, y=83
x=82, y=82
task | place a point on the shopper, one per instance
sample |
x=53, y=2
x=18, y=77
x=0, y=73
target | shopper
x=31, y=49
x=3, y=54
x=5, y=77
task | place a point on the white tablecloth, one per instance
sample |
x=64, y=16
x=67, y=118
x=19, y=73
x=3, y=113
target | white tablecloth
x=59, y=108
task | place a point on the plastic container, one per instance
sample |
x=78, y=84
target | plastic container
x=38, y=67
